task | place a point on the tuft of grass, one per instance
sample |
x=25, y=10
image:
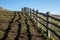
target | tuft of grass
x=1, y=34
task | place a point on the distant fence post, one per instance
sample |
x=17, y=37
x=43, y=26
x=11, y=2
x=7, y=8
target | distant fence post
x=37, y=15
x=21, y=9
x=25, y=9
x=48, y=25
x=34, y=16
x=30, y=12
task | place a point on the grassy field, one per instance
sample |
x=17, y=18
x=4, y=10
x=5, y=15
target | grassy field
x=19, y=19
x=55, y=28
x=14, y=24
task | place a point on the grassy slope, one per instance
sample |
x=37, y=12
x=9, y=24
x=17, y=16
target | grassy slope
x=5, y=17
x=57, y=30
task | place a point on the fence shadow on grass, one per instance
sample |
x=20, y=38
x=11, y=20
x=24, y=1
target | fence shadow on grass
x=28, y=30
x=9, y=27
x=19, y=30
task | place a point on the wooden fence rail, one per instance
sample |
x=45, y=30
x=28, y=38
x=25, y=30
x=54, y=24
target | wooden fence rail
x=36, y=15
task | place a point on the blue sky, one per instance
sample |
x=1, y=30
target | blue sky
x=53, y=6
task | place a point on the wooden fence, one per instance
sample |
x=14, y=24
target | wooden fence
x=47, y=18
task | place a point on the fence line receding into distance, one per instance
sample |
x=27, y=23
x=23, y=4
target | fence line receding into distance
x=47, y=18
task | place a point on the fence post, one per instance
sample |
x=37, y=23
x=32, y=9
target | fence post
x=37, y=15
x=48, y=25
x=25, y=9
x=21, y=9
x=30, y=12
x=34, y=16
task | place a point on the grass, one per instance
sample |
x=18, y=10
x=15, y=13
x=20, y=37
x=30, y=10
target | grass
x=5, y=16
x=57, y=30
x=1, y=34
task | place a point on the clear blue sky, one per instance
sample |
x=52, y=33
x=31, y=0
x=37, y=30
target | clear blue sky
x=42, y=5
